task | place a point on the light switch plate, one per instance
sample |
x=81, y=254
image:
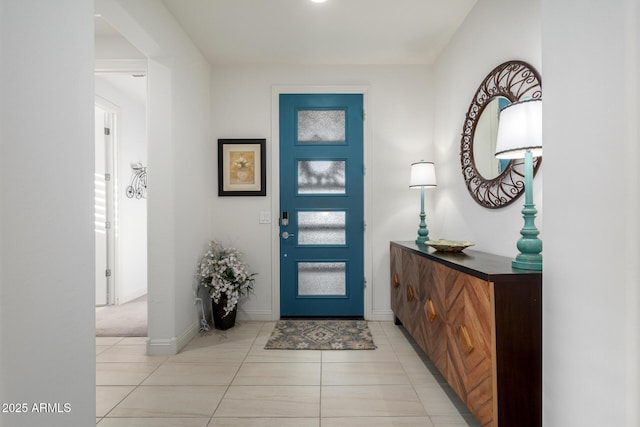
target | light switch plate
x=265, y=217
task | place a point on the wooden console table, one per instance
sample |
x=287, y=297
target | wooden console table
x=480, y=322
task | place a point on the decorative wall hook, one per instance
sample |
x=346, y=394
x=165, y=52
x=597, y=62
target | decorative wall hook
x=138, y=185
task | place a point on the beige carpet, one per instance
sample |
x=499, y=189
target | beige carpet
x=124, y=320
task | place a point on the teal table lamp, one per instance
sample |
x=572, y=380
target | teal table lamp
x=520, y=135
x=423, y=175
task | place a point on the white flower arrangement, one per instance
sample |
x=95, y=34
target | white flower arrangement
x=241, y=163
x=224, y=275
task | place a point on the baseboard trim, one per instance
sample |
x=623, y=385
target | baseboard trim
x=382, y=315
x=267, y=315
x=188, y=335
x=171, y=346
x=256, y=315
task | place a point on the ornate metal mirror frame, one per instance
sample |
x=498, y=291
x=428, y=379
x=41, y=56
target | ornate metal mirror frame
x=513, y=80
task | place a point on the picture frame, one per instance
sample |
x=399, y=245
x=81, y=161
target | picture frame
x=241, y=167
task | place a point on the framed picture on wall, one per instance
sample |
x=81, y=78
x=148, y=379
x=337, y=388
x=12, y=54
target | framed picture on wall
x=241, y=167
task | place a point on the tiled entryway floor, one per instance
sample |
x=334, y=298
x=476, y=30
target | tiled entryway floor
x=229, y=379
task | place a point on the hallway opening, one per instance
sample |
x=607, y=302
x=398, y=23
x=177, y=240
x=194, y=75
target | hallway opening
x=121, y=160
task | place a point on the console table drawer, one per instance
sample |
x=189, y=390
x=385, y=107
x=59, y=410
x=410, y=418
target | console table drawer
x=471, y=343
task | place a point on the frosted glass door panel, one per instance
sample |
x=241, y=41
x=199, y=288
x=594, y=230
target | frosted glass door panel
x=321, y=126
x=322, y=228
x=321, y=177
x=322, y=278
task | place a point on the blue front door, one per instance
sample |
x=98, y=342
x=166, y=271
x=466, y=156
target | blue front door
x=321, y=206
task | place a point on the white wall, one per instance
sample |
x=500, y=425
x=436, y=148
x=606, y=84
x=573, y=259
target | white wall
x=47, y=329
x=495, y=31
x=591, y=71
x=400, y=115
x=588, y=58
x=131, y=270
x=179, y=173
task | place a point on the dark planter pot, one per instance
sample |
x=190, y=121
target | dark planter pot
x=220, y=321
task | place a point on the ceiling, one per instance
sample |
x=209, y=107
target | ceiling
x=334, y=32
x=103, y=29
x=272, y=32
x=133, y=83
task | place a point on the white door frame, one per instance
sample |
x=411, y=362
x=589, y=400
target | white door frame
x=276, y=91
x=128, y=67
x=111, y=195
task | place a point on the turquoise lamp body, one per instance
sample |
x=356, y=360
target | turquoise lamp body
x=520, y=135
x=529, y=245
x=423, y=175
x=423, y=231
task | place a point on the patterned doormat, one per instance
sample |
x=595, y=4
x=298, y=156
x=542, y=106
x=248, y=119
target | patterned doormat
x=321, y=335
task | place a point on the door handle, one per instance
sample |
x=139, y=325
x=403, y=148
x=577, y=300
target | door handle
x=286, y=235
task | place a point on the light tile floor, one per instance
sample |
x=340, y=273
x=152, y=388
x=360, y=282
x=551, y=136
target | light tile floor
x=228, y=379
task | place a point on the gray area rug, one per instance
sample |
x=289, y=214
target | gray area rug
x=321, y=335
x=124, y=320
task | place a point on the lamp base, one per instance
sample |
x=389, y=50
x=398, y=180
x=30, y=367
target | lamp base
x=528, y=262
x=530, y=247
x=423, y=232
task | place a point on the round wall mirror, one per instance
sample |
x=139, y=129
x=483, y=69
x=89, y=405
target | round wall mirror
x=491, y=182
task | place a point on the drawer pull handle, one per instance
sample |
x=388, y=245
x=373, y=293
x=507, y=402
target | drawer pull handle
x=431, y=311
x=411, y=294
x=396, y=281
x=465, y=340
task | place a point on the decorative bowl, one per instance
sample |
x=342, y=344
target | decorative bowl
x=444, y=245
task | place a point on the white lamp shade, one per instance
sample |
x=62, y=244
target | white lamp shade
x=520, y=130
x=423, y=174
